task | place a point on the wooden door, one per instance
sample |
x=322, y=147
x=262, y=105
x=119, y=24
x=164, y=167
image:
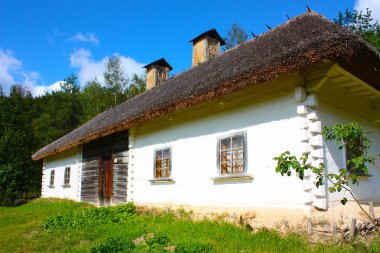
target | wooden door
x=105, y=180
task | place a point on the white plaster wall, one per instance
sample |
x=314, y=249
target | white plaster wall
x=72, y=158
x=272, y=127
x=369, y=187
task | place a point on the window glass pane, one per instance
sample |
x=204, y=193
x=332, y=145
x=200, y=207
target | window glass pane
x=158, y=164
x=229, y=167
x=238, y=167
x=166, y=153
x=225, y=144
x=237, y=141
x=165, y=168
x=159, y=154
x=223, y=168
x=240, y=154
x=226, y=156
x=158, y=172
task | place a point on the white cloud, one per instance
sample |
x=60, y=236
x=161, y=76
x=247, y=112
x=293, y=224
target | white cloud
x=373, y=5
x=39, y=90
x=89, y=37
x=9, y=65
x=90, y=68
x=12, y=72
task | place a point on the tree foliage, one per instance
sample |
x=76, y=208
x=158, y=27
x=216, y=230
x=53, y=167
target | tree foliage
x=348, y=135
x=115, y=78
x=361, y=23
x=28, y=124
x=18, y=173
x=235, y=36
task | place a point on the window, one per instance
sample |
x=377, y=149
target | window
x=353, y=151
x=67, y=176
x=231, y=154
x=162, y=163
x=52, y=172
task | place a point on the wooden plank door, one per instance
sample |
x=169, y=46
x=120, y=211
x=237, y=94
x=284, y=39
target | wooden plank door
x=105, y=180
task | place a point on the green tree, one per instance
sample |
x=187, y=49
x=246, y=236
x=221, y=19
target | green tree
x=116, y=79
x=235, y=36
x=58, y=112
x=95, y=99
x=136, y=86
x=350, y=136
x=70, y=84
x=19, y=174
x=362, y=24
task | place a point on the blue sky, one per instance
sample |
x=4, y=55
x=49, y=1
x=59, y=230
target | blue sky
x=44, y=41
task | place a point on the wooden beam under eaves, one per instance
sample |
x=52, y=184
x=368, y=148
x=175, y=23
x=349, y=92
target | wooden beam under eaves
x=315, y=85
x=359, y=81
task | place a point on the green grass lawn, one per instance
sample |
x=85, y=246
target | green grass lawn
x=21, y=230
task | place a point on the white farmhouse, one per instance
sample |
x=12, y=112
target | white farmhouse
x=208, y=136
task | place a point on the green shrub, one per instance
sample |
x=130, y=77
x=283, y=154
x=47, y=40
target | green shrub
x=90, y=217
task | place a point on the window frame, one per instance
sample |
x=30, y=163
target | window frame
x=52, y=178
x=218, y=151
x=65, y=176
x=170, y=163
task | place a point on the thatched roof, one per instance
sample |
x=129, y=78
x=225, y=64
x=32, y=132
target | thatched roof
x=294, y=45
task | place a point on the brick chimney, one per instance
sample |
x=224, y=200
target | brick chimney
x=157, y=72
x=206, y=46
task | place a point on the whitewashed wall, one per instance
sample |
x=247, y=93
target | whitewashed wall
x=272, y=127
x=369, y=187
x=72, y=158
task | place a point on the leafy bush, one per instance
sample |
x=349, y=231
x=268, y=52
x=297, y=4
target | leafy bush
x=90, y=217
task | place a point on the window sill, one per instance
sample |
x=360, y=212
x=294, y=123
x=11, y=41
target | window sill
x=66, y=186
x=162, y=181
x=51, y=186
x=233, y=177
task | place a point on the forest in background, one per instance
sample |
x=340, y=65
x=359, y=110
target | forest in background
x=29, y=123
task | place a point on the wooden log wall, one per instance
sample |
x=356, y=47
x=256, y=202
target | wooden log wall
x=116, y=146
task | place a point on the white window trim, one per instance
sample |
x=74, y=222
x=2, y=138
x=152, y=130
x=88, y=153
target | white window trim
x=162, y=180
x=50, y=185
x=237, y=176
x=64, y=178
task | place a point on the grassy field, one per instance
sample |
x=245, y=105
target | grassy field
x=65, y=226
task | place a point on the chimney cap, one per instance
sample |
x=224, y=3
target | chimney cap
x=210, y=33
x=160, y=62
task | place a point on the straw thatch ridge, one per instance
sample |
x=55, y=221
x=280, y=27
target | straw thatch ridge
x=292, y=46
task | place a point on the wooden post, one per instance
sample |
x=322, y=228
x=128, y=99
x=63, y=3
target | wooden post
x=335, y=230
x=286, y=224
x=371, y=210
x=352, y=229
x=309, y=226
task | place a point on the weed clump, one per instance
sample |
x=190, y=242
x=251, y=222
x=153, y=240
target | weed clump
x=90, y=217
x=150, y=243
